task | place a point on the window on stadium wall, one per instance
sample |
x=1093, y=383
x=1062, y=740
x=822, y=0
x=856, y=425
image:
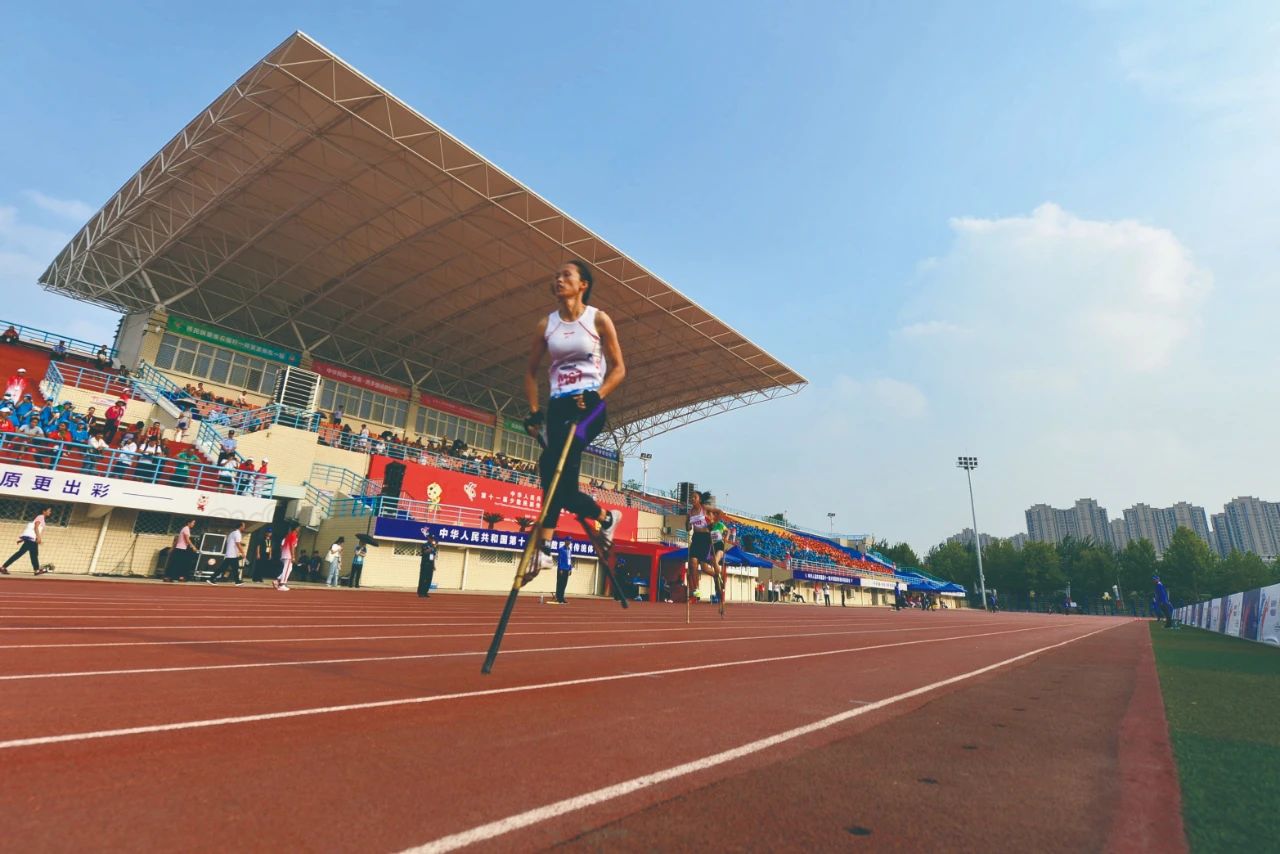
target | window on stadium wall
x=224, y=367
x=152, y=522
x=21, y=510
x=432, y=424
x=598, y=468
x=522, y=446
x=359, y=403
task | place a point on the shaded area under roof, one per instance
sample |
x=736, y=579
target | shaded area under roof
x=309, y=208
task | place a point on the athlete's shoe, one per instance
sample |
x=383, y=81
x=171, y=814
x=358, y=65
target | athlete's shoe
x=282, y=587
x=239, y=584
x=210, y=581
x=609, y=526
x=275, y=582
x=4, y=570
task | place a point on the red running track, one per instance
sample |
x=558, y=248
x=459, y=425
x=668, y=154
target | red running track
x=184, y=716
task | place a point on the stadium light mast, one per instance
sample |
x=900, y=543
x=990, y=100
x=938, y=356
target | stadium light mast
x=831, y=523
x=644, y=462
x=969, y=464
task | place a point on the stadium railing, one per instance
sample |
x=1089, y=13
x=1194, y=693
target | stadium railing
x=56, y=455
x=31, y=334
x=60, y=375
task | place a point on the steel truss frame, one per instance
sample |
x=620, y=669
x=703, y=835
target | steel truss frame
x=310, y=208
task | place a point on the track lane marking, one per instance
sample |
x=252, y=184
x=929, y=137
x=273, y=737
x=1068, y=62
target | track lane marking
x=148, y=729
x=711, y=627
x=17, y=677
x=501, y=827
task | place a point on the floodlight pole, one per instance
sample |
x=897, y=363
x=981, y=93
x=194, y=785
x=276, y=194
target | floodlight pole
x=644, y=462
x=831, y=523
x=969, y=464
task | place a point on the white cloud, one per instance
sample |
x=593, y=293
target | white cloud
x=68, y=208
x=1051, y=292
x=878, y=398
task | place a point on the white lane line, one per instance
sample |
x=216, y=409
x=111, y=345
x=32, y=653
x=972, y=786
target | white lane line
x=463, y=695
x=504, y=826
x=710, y=627
x=15, y=677
x=479, y=622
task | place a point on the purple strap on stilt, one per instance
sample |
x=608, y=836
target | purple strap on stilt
x=585, y=424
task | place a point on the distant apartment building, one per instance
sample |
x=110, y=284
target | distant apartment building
x=965, y=537
x=1248, y=524
x=1157, y=524
x=1119, y=534
x=1085, y=520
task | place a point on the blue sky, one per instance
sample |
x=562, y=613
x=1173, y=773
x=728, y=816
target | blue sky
x=1038, y=233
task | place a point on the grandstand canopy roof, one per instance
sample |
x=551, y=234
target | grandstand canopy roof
x=308, y=207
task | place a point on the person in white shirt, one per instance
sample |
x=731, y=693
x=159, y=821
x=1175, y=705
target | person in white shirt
x=184, y=424
x=232, y=554
x=97, y=447
x=29, y=544
x=335, y=561
x=183, y=555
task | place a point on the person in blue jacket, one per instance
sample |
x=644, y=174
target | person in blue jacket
x=1162, y=601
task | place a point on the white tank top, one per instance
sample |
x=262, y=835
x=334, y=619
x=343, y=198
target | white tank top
x=577, y=360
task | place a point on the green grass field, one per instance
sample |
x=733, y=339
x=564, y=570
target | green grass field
x=1222, y=699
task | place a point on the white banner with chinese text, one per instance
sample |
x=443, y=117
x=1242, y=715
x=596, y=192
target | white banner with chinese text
x=62, y=487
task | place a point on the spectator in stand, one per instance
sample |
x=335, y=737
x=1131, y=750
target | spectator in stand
x=16, y=388
x=182, y=467
x=102, y=359
x=182, y=557
x=362, y=442
x=244, y=480
x=260, y=482
x=59, y=351
x=29, y=544
x=114, y=415
x=97, y=447
x=232, y=554
x=91, y=417
x=228, y=448
x=10, y=335
x=6, y=419
x=184, y=424
x=150, y=455
x=228, y=474
x=122, y=463
x=32, y=436
x=22, y=409
x=337, y=415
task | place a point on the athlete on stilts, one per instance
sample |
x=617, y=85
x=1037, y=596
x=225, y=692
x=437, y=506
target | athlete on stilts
x=721, y=540
x=586, y=367
x=699, y=544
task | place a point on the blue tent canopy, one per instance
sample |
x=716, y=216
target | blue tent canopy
x=733, y=557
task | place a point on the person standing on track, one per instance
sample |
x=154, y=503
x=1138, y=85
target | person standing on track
x=699, y=541
x=182, y=557
x=564, y=566
x=29, y=543
x=260, y=552
x=334, y=558
x=288, y=548
x=427, y=553
x=586, y=367
x=232, y=553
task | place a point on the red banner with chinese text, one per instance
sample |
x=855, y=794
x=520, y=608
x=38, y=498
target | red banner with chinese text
x=512, y=500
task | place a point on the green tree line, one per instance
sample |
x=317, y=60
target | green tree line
x=1190, y=570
